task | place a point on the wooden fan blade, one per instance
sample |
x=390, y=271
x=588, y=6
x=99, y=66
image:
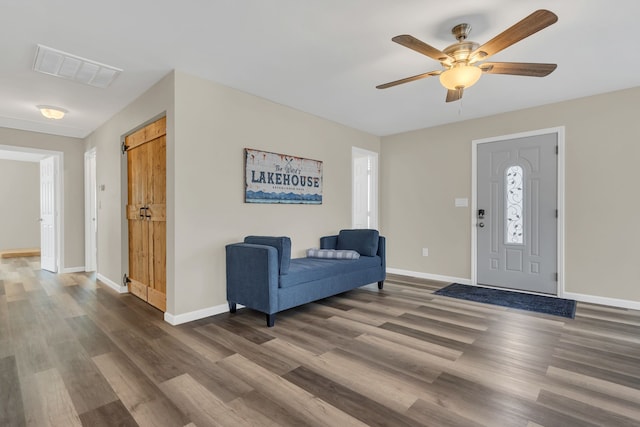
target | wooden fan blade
x=409, y=79
x=454, y=94
x=533, y=23
x=421, y=47
x=518, y=68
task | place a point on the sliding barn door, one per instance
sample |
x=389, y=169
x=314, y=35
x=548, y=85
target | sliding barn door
x=146, y=213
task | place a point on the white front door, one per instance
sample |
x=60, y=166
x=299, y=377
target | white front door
x=48, y=242
x=516, y=215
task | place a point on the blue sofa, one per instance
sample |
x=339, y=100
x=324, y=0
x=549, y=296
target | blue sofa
x=262, y=276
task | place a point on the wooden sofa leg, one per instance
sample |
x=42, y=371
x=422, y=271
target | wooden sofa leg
x=271, y=320
x=232, y=307
x=380, y=284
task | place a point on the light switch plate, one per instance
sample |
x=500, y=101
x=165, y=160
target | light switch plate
x=462, y=203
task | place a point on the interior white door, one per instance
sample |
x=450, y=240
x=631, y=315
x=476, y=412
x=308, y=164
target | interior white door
x=48, y=214
x=364, y=165
x=517, y=213
x=91, y=214
x=360, y=192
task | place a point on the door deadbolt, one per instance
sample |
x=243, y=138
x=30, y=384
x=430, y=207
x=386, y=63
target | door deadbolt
x=481, y=224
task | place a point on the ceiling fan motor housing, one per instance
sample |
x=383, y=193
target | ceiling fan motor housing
x=461, y=51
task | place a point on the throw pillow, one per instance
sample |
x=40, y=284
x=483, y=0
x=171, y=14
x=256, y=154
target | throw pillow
x=363, y=241
x=332, y=254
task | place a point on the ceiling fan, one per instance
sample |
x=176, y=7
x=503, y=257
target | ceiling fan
x=462, y=61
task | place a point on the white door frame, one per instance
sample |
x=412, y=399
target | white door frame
x=90, y=211
x=559, y=131
x=59, y=223
x=35, y=155
x=373, y=193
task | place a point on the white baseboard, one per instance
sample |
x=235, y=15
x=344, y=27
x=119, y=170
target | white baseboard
x=73, y=270
x=429, y=276
x=178, y=319
x=594, y=299
x=113, y=285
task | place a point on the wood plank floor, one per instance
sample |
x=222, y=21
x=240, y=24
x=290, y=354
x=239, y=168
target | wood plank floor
x=73, y=352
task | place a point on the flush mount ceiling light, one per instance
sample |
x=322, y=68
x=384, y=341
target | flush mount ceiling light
x=50, y=112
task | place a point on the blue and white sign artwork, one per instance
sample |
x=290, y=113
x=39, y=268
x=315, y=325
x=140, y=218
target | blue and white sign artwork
x=279, y=178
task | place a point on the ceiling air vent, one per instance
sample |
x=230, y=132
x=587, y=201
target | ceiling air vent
x=71, y=67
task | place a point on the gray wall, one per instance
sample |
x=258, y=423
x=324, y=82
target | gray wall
x=208, y=126
x=20, y=195
x=601, y=203
x=111, y=176
x=213, y=125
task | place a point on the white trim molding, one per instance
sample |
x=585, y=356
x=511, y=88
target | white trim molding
x=429, y=276
x=179, y=319
x=594, y=299
x=90, y=210
x=113, y=285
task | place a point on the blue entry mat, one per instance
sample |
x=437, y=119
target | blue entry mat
x=537, y=303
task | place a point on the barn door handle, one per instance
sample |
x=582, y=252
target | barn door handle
x=144, y=214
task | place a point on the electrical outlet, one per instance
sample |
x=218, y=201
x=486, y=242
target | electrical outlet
x=425, y=251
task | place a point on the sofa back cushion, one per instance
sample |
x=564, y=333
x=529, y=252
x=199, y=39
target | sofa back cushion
x=363, y=241
x=282, y=244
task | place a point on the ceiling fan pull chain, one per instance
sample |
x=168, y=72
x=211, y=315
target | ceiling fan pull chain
x=460, y=105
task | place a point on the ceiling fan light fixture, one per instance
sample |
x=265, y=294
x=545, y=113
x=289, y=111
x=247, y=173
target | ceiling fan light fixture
x=462, y=76
x=51, y=112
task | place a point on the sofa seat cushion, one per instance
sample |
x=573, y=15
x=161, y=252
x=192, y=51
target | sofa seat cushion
x=303, y=270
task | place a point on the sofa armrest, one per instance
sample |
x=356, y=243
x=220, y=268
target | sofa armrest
x=252, y=276
x=382, y=253
x=329, y=242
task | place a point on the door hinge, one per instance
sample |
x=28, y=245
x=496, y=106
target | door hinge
x=124, y=147
x=126, y=280
x=556, y=213
x=555, y=277
x=557, y=149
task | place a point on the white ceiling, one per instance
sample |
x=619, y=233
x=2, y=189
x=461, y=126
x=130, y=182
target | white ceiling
x=322, y=57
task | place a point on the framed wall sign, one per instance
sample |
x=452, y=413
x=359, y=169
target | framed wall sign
x=280, y=178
